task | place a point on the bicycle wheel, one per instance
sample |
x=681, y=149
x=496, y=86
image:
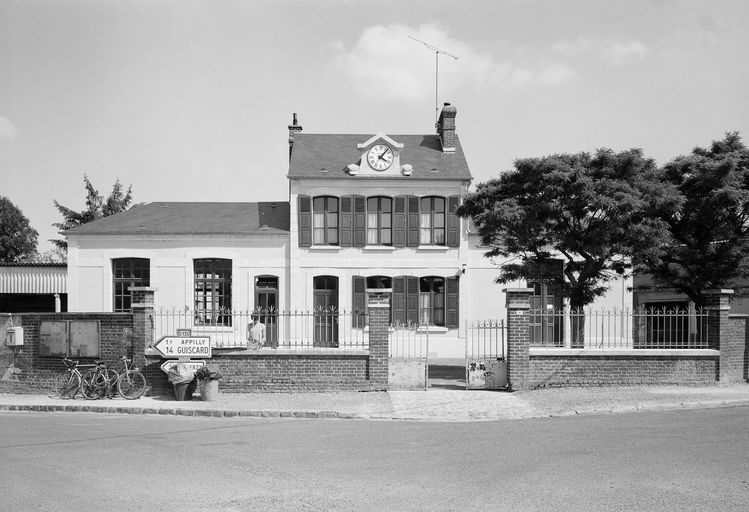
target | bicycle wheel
x=111, y=375
x=93, y=385
x=67, y=385
x=132, y=384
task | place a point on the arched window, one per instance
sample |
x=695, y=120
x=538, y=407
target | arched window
x=432, y=221
x=379, y=221
x=212, y=291
x=126, y=273
x=325, y=220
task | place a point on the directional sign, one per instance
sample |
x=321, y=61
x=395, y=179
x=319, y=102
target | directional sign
x=192, y=365
x=184, y=346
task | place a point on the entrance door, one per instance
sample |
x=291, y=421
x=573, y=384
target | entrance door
x=266, y=305
x=326, y=311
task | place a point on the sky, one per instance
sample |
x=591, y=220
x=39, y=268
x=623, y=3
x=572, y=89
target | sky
x=190, y=100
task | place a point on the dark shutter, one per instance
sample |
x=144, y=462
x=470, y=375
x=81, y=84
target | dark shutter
x=399, y=300
x=346, y=221
x=399, y=222
x=360, y=221
x=358, y=306
x=412, y=300
x=452, y=305
x=453, y=222
x=413, y=221
x=304, y=208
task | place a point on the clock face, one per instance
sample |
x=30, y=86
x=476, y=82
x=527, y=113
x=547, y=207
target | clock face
x=380, y=157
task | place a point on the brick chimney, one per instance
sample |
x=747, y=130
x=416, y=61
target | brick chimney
x=446, y=128
x=294, y=128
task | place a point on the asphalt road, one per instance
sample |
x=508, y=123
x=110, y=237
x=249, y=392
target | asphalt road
x=677, y=460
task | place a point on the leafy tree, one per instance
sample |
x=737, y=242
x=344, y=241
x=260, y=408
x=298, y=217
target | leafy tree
x=589, y=211
x=708, y=245
x=96, y=208
x=17, y=238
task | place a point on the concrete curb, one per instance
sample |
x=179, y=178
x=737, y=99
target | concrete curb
x=331, y=414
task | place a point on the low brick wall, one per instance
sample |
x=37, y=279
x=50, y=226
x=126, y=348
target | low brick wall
x=38, y=372
x=552, y=368
x=279, y=371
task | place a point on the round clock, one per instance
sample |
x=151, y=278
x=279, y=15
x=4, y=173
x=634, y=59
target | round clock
x=380, y=157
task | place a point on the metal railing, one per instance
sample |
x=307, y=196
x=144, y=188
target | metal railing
x=320, y=328
x=650, y=328
x=408, y=341
x=485, y=339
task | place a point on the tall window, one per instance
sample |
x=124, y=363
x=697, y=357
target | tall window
x=325, y=221
x=432, y=221
x=432, y=300
x=128, y=272
x=212, y=291
x=379, y=220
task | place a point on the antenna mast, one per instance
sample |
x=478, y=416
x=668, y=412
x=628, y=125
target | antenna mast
x=437, y=52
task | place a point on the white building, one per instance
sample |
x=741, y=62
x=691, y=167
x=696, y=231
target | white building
x=364, y=211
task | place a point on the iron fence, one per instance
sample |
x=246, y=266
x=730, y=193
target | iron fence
x=646, y=328
x=318, y=328
x=485, y=339
x=408, y=341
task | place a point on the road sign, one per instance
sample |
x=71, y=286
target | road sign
x=184, y=346
x=192, y=365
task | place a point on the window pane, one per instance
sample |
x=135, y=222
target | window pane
x=372, y=220
x=333, y=236
x=385, y=220
x=372, y=204
x=439, y=204
x=439, y=237
x=332, y=220
x=385, y=237
x=318, y=236
x=372, y=236
x=426, y=204
x=318, y=204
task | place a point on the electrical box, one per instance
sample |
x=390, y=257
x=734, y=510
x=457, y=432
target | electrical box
x=14, y=336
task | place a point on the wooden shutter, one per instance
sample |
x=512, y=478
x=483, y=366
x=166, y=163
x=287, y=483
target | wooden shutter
x=304, y=209
x=399, y=222
x=346, y=221
x=399, y=300
x=452, y=305
x=358, y=305
x=453, y=222
x=412, y=299
x=413, y=221
x=360, y=221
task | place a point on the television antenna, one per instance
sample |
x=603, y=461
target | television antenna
x=437, y=52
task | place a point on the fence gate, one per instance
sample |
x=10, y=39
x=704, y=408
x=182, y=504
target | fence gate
x=485, y=361
x=408, y=352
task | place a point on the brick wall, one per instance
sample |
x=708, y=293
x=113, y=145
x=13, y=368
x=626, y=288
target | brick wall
x=556, y=371
x=280, y=372
x=38, y=372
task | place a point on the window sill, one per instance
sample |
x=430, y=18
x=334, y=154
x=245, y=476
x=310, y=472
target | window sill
x=383, y=248
x=421, y=328
x=325, y=248
x=435, y=248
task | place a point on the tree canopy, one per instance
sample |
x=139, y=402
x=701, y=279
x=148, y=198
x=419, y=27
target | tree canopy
x=589, y=211
x=708, y=244
x=96, y=208
x=17, y=238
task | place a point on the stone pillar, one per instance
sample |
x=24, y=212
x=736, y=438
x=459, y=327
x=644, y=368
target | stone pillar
x=722, y=336
x=58, y=304
x=379, y=319
x=142, y=322
x=518, y=336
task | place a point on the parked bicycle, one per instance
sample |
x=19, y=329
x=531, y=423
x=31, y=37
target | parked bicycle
x=68, y=384
x=105, y=381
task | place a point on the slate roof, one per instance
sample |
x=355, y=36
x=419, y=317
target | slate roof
x=160, y=218
x=313, y=151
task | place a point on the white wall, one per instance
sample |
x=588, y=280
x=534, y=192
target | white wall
x=90, y=267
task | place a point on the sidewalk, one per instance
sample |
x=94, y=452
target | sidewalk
x=433, y=405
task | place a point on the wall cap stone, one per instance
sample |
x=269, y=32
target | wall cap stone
x=636, y=352
x=517, y=290
x=718, y=291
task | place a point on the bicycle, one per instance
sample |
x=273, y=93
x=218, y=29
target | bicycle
x=131, y=383
x=99, y=382
x=68, y=384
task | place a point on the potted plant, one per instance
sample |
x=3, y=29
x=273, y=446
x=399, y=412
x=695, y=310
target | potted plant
x=208, y=377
